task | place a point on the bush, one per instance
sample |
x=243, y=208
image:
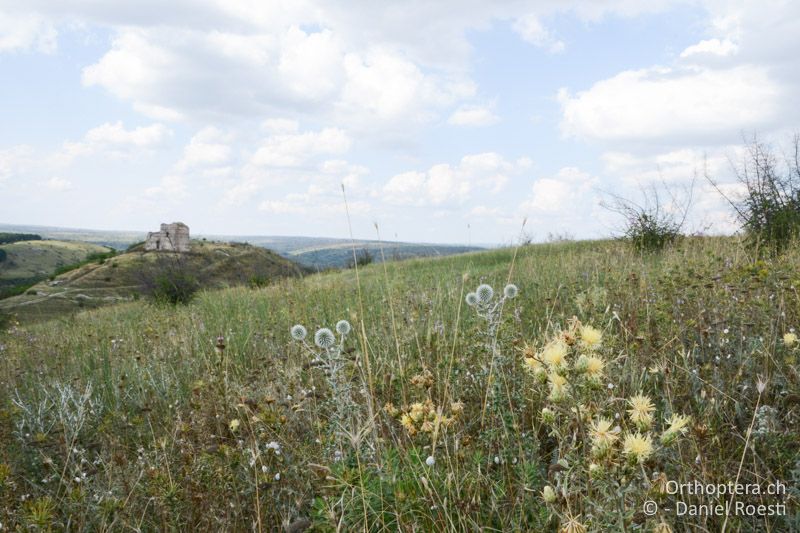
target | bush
x=769, y=209
x=651, y=226
x=3, y=255
x=169, y=281
x=175, y=288
x=8, y=238
x=362, y=258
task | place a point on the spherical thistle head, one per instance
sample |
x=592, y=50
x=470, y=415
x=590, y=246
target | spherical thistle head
x=472, y=299
x=343, y=327
x=324, y=338
x=510, y=291
x=298, y=332
x=485, y=293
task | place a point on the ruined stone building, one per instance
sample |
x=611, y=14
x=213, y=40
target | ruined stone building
x=172, y=238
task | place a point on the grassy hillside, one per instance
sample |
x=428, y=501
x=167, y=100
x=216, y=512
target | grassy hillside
x=121, y=278
x=317, y=253
x=431, y=414
x=28, y=259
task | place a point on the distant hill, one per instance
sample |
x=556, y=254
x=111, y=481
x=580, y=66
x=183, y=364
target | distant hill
x=25, y=262
x=125, y=276
x=318, y=253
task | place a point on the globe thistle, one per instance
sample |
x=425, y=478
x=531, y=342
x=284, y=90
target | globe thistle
x=485, y=293
x=641, y=411
x=430, y=461
x=637, y=447
x=510, y=291
x=343, y=327
x=298, y=332
x=324, y=338
x=472, y=299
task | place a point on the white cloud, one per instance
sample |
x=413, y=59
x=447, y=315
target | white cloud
x=560, y=193
x=714, y=47
x=280, y=125
x=672, y=105
x=290, y=150
x=112, y=139
x=58, y=184
x=472, y=116
x=170, y=188
x=208, y=148
x=530, y=28
x=26, y=32
x=15, y=160
x=445, y=184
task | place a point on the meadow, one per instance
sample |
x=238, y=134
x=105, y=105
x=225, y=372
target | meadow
x=562, y=400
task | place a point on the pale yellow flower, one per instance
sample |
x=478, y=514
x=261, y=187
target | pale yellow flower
x=234, y=424
x=548, y=494
x=534, y=365
x=417, y=411
x=641, y=411
x=407, y=422
x=677, y=426
x=558, y=386
x=602, y=433
x=555, y=354
x=591, y=337
x=790, y=339
x=638, y=447
x=595, y=366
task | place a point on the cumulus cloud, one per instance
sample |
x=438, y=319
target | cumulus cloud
x=444, y=184
x=530, y=28
x=209, y=147
x=473, y=116
x=27, y=31
x=296, y=149
x=112, y=139
x=559, y=193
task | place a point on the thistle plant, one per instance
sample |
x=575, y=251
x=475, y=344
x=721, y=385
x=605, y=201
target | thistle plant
x=328, y=355
x=490, y=309
x=604, y=442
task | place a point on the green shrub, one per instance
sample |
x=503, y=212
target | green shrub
x=3, y=255
x=8, y=238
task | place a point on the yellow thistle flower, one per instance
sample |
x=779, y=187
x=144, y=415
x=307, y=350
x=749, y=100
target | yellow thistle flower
x=555, y=354
x=533, y=365
x=641, y=411
x=638, y=447
x=603, y=435
x=234, y=424
x=390, y=409
x=677, y=426
x=790, y=339
x=595, y=367
x=558, y=386
x=591, y=337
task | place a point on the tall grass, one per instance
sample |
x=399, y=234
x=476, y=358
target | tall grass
x=175, y=434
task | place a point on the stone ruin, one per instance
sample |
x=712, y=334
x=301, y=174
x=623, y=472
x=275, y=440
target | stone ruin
x=172, y=238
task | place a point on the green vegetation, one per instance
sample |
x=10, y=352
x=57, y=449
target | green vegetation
x=563, y=407
x=108, y=278
x=8, y=238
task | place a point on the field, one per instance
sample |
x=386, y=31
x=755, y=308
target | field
x=565, y=407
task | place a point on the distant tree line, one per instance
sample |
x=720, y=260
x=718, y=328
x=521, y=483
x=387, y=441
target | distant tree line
x=8, y=238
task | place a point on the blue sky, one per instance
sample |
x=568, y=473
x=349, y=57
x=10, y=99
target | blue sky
x=243, y=117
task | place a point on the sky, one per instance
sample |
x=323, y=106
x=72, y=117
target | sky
x=449, y=121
